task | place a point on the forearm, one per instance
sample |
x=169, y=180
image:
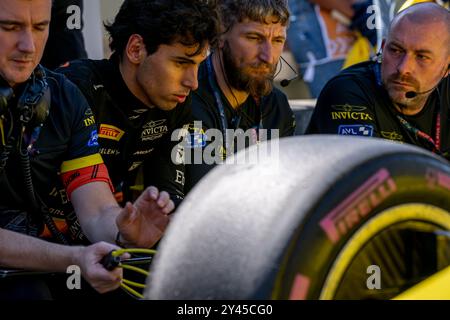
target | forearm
x=97, y=218
x=102, y=226
x=25, y=252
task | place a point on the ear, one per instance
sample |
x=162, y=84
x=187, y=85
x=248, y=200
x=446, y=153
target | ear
x=135, y=50
x=383, y=43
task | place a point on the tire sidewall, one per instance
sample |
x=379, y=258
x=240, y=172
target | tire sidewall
x=405, y=178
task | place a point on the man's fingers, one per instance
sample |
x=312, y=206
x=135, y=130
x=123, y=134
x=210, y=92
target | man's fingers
x=170, y=206
x=163, y=199
x=152, y=192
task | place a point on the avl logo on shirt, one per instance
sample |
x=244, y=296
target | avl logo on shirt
x=356, y=130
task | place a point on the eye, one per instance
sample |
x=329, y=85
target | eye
x=422, y=57
x=9, y=27
x=253, y=38
x=41, y=27
x=395, y=50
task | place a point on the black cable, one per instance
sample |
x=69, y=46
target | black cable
x=33, y=198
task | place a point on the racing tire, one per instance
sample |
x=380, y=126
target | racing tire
x=308, y=222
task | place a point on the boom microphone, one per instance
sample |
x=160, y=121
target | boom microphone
x=285, y=82
x=413, y=94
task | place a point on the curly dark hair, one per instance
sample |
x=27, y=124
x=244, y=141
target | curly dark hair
x=189, y=22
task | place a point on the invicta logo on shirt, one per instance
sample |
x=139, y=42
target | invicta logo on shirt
x=154, y=130
x=110, y=132
x=349, y=112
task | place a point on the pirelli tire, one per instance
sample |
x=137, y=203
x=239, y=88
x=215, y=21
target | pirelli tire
x=293, y=226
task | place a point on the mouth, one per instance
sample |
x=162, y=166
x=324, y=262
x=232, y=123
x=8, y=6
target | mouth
x=22, y=61
x=181, y=98
x=402, y=84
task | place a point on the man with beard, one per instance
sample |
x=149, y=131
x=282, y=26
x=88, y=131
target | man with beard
x=235, y=86
x=404, y=95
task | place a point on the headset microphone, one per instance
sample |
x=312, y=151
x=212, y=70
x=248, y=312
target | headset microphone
x=286, y=82
x=413, y=94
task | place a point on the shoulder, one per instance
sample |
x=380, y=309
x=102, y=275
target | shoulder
x=358, y=76
x=64, y=93
x=84, y=72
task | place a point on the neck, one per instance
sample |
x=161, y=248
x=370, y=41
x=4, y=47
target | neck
x=128, y=73
x=234, y=97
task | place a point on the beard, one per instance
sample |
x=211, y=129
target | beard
x=253, y=78
x=399, y=96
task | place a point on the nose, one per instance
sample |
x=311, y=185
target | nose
x=405, y=65
x=26, y=42
x=266, y=52
x=190, y=79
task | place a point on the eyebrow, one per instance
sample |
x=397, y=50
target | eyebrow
x=184, y=59
x=260, y=34
x=18, y=23
x=421, y=51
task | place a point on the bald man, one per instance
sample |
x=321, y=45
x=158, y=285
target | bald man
x=404, y=94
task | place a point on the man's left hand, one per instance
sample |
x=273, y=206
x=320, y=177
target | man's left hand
x=143, y=223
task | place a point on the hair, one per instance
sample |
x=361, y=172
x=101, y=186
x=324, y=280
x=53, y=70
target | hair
x=189, y=22
x=425, y=12
x=235, y=11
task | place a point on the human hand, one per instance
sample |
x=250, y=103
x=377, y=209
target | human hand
x=143, y=223
x=88, y=259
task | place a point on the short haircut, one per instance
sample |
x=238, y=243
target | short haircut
x=235, y=11
x=425, y=12
x=189, y=22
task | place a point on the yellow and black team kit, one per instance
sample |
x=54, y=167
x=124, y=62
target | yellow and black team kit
x=45, y=163
x=130, y=134
x=355, y=103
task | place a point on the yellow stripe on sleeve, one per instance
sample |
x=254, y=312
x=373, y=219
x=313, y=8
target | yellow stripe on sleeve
x=83, y=162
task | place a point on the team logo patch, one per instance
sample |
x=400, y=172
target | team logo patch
x=134, y=166
x=89, y=121
x=391, y=135
x=196, y=140
x=93, y=141
x=356, y=130
x=154, y=130
x=348, y=108
x=110, y=132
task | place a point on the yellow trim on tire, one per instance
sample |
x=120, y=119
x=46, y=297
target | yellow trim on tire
x=436, y=287
x=386, y=218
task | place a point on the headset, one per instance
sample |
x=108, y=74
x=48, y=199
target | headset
x=34, y=103
x=286, y=82
x=413, y=94
x=30, y=112
x=378, y=58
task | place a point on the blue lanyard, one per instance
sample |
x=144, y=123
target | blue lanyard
x=221, y=108
x=219, y=103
